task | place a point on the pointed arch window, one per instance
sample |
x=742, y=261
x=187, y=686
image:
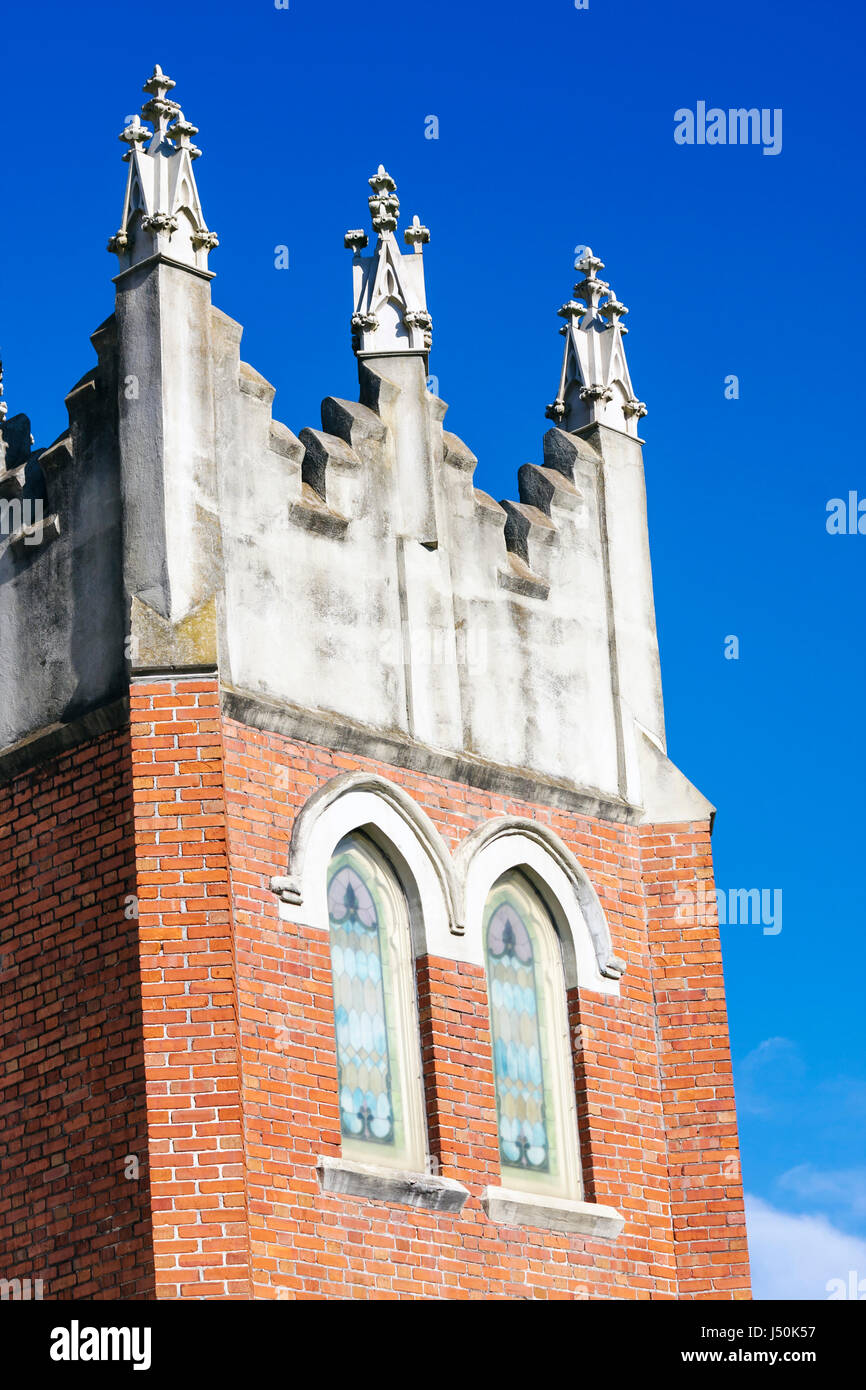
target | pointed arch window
x=532, y=1061
x=375, y=1010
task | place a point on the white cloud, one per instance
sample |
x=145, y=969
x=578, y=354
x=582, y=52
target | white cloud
x=797, y=1256
x=775, y=1083
x=770, y=1078
x=840, y=1187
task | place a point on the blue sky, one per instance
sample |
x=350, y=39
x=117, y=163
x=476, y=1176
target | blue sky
x=556, y=129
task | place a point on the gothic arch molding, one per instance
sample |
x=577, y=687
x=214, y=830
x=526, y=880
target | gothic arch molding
x=517, y=843
x=356, y=801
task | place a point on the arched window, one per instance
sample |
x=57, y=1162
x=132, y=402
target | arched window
x=531, y=1047
x=375, y=1011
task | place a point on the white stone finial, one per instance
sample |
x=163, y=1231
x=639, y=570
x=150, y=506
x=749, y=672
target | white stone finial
x=594, y=383
x=390, y=313
x=572, y=310
x=588, y=263
x=590, y=287
x=416, y=236
x=383, y=202
x=614, y=310
x=158, y=84
x=159, y=110
x=181, y=131
x=134, y=133
x=162, y=213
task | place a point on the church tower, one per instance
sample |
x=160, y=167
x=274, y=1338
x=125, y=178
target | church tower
x=353, y=918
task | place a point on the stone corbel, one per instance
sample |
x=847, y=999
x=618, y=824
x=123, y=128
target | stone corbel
x=288, y=890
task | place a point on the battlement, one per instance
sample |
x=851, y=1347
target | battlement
x=349, y=581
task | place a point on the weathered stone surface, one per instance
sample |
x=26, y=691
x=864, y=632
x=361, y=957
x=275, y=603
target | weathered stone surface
x=321, y=452
x=458, y=454
x=509, y=1208
x=390, y=1185
x=357, y=426
x=353, y=572
x=158, y=645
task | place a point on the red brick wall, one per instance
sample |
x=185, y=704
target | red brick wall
x=72, y=1108
x=307, y=1244
x=230, y=1025
x=696, y=1076
x=188, y=991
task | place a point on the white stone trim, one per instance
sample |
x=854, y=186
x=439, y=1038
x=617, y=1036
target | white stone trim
x=506, y=1207
x=350, y=1179
x=405, y=835
x=446, y=894
x=515, y=843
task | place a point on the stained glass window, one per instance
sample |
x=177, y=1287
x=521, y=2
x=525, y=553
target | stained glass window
x=529, y=1031
x=373, y=1006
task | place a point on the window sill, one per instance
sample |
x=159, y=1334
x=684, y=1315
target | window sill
x=506, y=1207
x=350, y=1179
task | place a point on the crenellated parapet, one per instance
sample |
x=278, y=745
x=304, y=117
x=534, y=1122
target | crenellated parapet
x=410, y=603
x=62, y=609
x=349, y=582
